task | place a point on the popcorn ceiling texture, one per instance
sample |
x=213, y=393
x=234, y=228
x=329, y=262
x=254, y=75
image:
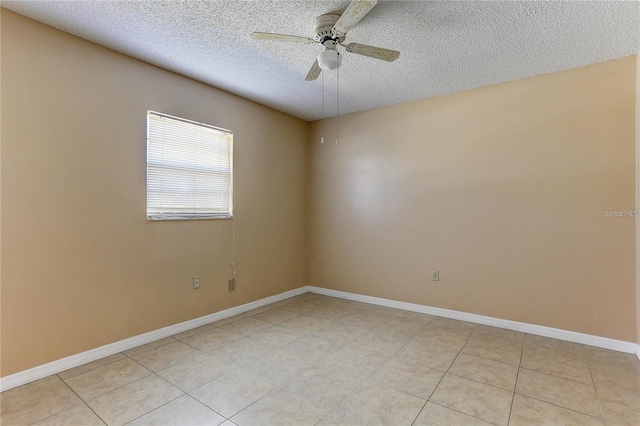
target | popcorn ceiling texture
x=445, y=46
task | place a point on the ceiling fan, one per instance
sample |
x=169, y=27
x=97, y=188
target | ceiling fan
x=330, y=31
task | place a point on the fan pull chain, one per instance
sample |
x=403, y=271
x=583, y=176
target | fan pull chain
x=338, y=103
x=322, y=111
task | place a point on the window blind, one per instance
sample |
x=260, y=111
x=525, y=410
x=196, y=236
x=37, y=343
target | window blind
x=189, y=169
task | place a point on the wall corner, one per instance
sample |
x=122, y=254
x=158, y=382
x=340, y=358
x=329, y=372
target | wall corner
x=638, y=202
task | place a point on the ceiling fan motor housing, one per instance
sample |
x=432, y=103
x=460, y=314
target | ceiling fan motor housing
x=323, y=26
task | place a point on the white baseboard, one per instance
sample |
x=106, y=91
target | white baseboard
x=54, y=367
x=556, y=333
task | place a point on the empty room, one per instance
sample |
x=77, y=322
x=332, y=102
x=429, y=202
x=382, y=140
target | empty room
x=344, y=212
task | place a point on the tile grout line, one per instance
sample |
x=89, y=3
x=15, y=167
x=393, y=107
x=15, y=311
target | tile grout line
x=361, y=381
x=117, y=387
x=559, y=406
x=371, y=374
x=515, y=387
x=259, y=399
x=121, y=386
x=595, y=391
x=524, y=368
x=83, y=401
x=427, y=401
x=421, y=409
x=144, y=352
x=333, y=406
x=161, y=405
x=468, y=415
x=556, y=376
x=191, y=346
x=482, y=383
x=145, y=377
x=442, y=378
x=84, y=372
x=252, y=374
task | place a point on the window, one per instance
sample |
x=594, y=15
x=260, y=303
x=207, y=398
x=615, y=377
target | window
x=189, y=169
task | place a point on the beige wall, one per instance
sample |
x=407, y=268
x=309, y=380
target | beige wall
x=81, y=267
x=500, y=188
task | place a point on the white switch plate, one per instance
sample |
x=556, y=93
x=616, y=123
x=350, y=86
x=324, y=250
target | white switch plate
x=196, y=281
x=435, y=275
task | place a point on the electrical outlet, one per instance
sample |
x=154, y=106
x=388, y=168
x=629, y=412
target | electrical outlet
x=435, y=275
x=196, y=281
x=232, y=284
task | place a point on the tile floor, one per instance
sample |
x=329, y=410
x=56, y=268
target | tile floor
x=313, y=360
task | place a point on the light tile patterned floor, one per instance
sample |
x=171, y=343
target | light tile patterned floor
x=319, y=360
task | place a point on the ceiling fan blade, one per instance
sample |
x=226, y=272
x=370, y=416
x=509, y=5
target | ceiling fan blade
x=314, y=72
x=281, y=37
x=354, y=13
x=373, y=52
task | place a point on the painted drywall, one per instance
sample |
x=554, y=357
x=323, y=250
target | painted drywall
x=638, y=201
x=81, y=267
x=502, y=189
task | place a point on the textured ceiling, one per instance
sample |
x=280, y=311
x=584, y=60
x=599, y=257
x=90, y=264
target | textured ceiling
x=445, y=46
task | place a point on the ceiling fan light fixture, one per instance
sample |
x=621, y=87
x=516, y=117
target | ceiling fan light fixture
x=329, y=59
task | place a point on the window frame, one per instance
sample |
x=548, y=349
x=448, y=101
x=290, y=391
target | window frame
x=178, y=216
